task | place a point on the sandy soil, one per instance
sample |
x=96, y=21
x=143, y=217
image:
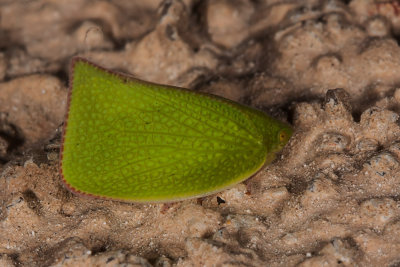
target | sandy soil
x=330, y=68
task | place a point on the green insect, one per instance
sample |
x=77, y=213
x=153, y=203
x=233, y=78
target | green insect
x=126, y=139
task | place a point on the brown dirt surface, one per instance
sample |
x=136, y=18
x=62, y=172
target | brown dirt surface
x=330, y=68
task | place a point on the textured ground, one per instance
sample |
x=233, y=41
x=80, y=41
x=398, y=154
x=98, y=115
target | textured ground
x=333, y=195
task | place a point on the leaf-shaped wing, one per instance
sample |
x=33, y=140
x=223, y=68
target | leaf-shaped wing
x=132, y=140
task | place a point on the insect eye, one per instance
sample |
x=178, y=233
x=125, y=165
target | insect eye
x=283, y=136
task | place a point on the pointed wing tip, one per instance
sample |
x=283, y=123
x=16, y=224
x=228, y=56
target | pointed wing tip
x=73, y=63
x=84, y=61
x=76, y=60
